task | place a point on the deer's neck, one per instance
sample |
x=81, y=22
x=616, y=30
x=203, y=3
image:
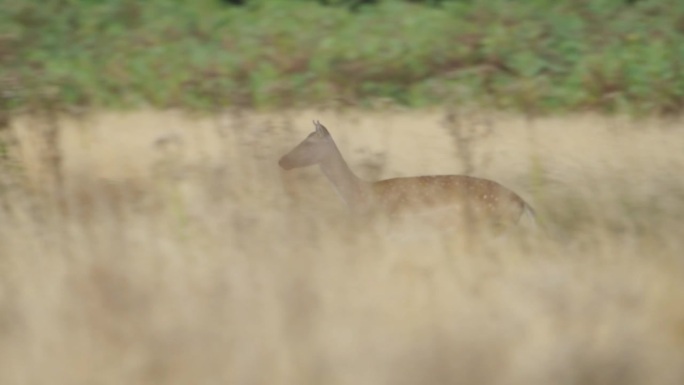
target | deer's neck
x=353, y=191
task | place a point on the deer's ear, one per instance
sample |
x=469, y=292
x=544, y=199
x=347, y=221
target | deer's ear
x=320, y=129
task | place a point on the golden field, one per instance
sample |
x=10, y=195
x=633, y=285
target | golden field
x=169, y=248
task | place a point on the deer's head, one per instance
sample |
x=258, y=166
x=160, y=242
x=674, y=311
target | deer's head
x=311, y=150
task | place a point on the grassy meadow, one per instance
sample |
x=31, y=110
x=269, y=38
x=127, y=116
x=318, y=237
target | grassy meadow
x=148, y=236
x=157, y=247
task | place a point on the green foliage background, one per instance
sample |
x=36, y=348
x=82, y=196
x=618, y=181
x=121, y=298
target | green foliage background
x=539, y=55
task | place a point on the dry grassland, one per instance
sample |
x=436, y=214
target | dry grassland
x=163, y=248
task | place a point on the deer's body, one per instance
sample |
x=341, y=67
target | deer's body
x=463, y=197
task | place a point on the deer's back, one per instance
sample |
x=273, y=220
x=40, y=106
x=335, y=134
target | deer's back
x=482, y=197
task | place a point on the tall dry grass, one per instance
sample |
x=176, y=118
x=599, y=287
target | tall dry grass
x=172, y=250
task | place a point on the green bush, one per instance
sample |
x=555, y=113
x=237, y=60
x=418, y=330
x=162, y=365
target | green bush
x=537, y=55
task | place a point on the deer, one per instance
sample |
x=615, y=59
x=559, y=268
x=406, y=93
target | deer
x=461, y=199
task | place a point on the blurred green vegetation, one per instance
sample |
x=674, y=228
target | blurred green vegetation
x=535, y=55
